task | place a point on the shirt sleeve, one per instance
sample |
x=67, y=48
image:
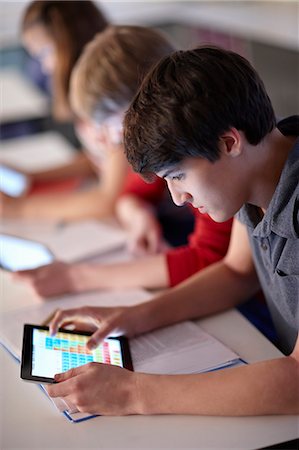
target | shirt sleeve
x=207, y=244
x=150, y=192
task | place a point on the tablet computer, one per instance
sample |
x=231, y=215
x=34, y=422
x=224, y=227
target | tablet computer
x=21, y=254
x=43, y=355
x=12, y=182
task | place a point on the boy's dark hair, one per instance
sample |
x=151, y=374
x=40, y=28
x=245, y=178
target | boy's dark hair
x=187, y=101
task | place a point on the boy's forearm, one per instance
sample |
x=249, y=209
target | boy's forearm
x=214, y=289
x=268, y=387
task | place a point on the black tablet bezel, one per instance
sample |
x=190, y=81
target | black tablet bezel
x=9, y=269
x=26, y=365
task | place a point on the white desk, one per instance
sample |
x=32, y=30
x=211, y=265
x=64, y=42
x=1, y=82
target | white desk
x=20, y=99
x=29, y=420
x=36, y=153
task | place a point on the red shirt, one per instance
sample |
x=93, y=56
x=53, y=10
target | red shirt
x=207, y=244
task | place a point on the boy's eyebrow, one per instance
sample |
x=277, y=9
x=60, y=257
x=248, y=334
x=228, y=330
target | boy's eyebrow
x=168, y=172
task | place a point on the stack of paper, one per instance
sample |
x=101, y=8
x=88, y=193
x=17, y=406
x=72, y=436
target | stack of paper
x=183, y=348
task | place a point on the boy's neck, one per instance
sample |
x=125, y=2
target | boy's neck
x=272, y=154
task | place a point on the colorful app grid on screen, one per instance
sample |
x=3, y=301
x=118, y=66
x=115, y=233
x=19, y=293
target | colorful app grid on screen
x=64, y=351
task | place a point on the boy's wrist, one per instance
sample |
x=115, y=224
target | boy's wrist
x=143, y=318
x=150, y=394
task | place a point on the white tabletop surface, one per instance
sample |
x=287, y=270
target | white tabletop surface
x=29, y=420
x=20, y=99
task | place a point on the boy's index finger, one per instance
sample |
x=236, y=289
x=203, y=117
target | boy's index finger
x=60, y=317
x=56, y=321
x=98, y=336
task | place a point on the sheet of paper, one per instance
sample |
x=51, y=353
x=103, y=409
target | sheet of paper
x=84, y=239
x=71, y=242
x=11, y=323
x=183, y=348
x=28, y=229
x=36, y=153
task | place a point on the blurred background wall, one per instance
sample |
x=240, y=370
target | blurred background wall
x=266, y=32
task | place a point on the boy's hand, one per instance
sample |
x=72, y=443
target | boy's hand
x=116, y=321
x=98, y=389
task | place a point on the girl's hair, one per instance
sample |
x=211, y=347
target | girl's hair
x=71, y=24
x=111, y=68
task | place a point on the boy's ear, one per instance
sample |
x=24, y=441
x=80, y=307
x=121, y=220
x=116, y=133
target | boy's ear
x=231, y=143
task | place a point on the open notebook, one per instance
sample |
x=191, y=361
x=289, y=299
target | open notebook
x=183, y=348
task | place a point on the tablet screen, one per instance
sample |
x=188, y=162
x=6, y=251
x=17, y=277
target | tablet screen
x=21, y=254
x=51, y=355
x=12, y=183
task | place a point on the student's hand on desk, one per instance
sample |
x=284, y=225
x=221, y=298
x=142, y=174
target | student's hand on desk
x=98, y=389
x=145, y=234
x=53, y=279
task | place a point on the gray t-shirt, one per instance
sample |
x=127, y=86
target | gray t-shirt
x=274, y=240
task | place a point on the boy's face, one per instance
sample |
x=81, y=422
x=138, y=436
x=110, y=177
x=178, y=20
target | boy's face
x=216, y=189
x=106, y=133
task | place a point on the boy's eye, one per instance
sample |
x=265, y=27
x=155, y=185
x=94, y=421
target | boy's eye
x=178, y=177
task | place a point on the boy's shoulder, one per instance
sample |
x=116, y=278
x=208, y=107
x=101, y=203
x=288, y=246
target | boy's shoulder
x=283, y=212
x=289, y=126
x=282, y=215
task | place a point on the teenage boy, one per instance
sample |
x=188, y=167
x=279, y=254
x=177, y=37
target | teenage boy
x=203, y=121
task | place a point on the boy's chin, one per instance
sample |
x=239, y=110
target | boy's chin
x=220, y=216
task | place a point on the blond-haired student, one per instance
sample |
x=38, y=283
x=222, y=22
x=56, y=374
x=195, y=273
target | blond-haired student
x=100, y=90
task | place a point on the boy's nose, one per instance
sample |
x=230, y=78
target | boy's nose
x=180, y=198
